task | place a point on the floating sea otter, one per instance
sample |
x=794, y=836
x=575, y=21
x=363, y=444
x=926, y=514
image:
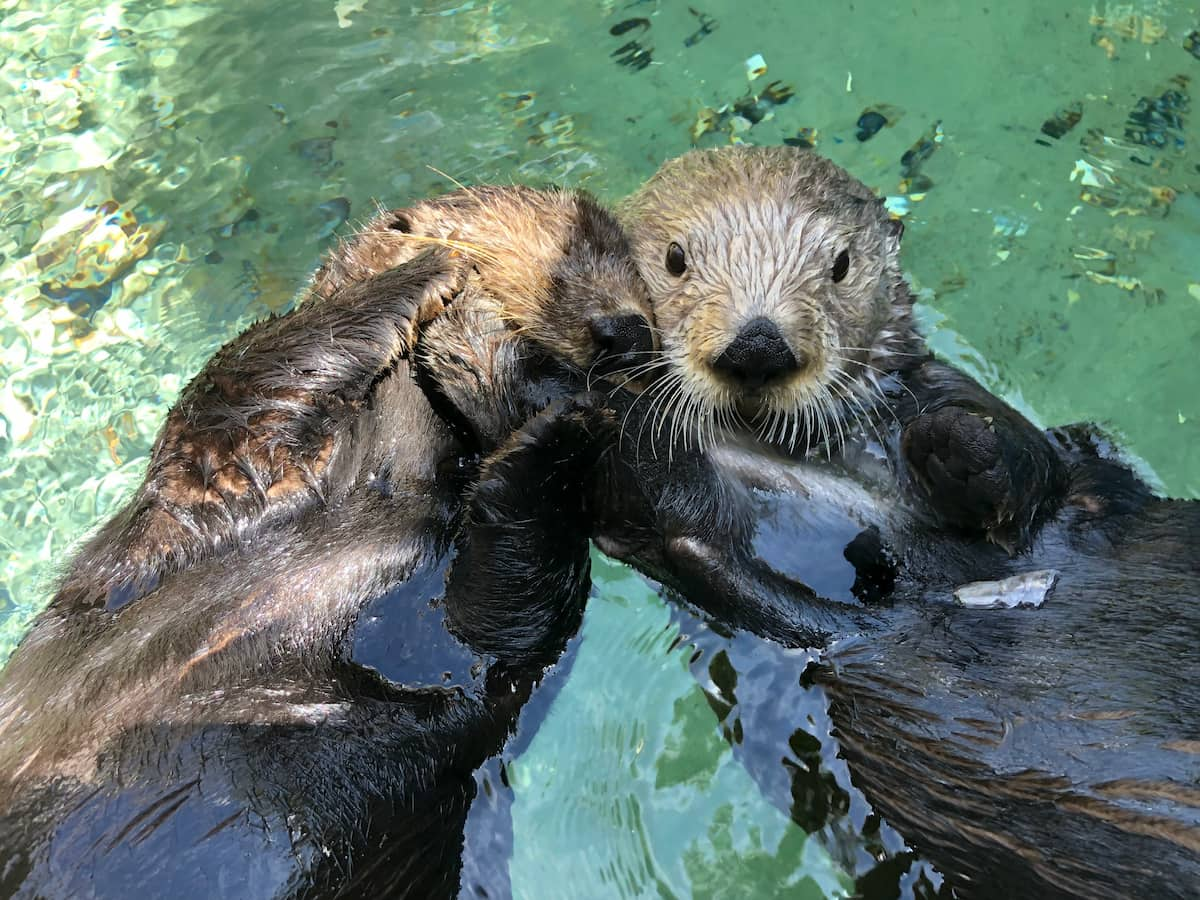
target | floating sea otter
x=1053, y=752
x=276, y=670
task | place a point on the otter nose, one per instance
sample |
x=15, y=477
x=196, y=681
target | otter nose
x=758, y=355
x=622, y=340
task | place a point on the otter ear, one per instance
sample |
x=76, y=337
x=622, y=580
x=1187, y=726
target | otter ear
x=896, y=229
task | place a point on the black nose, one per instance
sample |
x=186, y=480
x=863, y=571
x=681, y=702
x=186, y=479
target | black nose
x=758, y=355
x=623, y=341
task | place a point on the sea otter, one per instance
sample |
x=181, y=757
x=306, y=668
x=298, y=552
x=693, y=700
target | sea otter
x=272, y=426
x=280, y=672
x=1046, y=752
x=783, y=311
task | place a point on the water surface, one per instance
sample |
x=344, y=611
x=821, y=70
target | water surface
x=172, y=171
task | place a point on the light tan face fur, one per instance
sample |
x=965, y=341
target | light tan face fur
x=553, y=260
x=761, y=229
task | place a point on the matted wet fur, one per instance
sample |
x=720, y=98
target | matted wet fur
x=1048, y=752
x=272, y=426
x=232, y=725
x=783, y=312
x=221, y=697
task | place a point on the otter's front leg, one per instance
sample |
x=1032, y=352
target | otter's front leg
x=665, y=507
x=976, y=461
x=739, y=590
x=262, y=433
x=517, y=589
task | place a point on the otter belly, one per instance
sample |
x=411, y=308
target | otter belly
x=226, y=735
x=1052, y=751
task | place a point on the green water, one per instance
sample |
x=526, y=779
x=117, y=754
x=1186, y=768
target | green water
x=1065, y=275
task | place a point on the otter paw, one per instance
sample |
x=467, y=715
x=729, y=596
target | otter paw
x=546, y=467
x=959, y=461
x=444, y=285
x=580, y=427
x=446, y=274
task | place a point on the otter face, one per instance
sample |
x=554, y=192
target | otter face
x=776, y=287
x=558, y=264
x=573, y=288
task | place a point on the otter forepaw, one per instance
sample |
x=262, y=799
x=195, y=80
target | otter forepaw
x=962, y=463
x=550, y=459
x=447, y=276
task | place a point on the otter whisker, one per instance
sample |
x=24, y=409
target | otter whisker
x=644, y=353
x=693, y=418
x=849, y=393
x=826, y=434
x=872, y=382
x=709, y=413
x=661, y=404
x=477, y=250
x=829, y=401
x=889, y=352
x=795, y=417
x=723, y=418
x=689, y=415
x=879, y=372
x=625, y=419
x=872, y=391
x=758, y=430
x=682, y=411
x=669, y=388
x=766, y=431
x=635, y=370
x=627, y=372
x=777, y=419
x=860, y=393
x=657, y=387
x=808, y=428
x=678, y=411
x=458, y=184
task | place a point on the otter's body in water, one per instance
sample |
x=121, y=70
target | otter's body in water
x=1047, y=752
x=275, y=672
x=272, y=427
x=1039, y=752
x=1050, y=752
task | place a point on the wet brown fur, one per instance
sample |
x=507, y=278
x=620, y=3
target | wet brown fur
x=261, y=432
x=544, y=256
x=203, y=644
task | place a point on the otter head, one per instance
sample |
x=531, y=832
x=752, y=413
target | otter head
x=557, y=263
x=776, y=287
x=569, y=283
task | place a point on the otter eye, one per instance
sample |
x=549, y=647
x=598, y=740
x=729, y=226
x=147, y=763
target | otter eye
x=676, y=263
x=841, y=266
